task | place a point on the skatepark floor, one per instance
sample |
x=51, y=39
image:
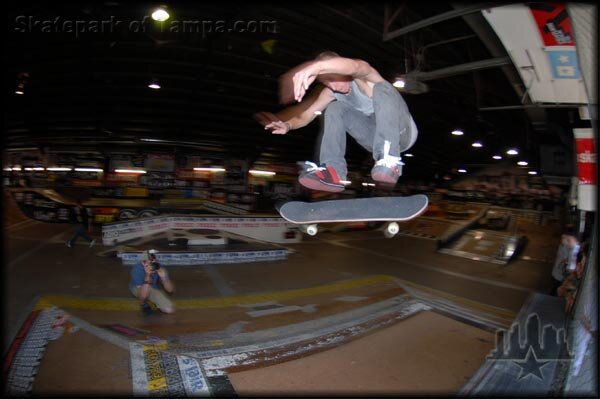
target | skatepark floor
x=431, y=350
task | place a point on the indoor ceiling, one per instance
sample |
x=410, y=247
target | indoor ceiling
x=89, y=91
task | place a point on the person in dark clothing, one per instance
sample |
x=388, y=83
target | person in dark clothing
x=85, y=225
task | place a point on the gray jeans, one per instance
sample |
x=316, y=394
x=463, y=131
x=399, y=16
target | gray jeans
x=391, y=122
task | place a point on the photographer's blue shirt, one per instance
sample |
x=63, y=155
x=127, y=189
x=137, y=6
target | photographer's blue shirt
x=138, y=274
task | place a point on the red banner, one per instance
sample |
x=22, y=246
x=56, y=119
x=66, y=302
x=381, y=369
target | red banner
x=553, y=23
x=586, y=161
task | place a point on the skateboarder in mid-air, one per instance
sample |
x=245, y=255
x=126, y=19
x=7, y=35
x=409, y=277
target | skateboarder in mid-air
x=355, y=100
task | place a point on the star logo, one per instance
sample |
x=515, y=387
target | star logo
x=531, y=365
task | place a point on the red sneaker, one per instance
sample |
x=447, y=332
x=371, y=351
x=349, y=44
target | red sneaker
x=322, y=178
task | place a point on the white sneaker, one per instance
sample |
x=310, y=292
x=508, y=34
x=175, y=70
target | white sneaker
x=92, y=243
x=388, y=169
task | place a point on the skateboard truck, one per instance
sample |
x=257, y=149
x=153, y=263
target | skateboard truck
x=390, y=230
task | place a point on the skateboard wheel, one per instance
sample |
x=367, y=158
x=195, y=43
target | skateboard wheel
x=312, y=230
x=392, y=229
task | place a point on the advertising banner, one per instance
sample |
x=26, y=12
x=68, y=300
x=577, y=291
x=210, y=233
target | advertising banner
x=540, y=42
x=586, y=169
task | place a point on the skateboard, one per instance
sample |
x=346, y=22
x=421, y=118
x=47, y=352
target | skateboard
x=387, y=209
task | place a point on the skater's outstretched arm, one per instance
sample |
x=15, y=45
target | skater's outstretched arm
x=295, y=116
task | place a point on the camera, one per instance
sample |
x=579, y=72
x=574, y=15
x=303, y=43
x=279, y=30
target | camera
x=154, y=262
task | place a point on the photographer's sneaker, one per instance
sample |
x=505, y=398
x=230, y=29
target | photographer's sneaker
x=92, y=243
x=146, y=309
x=388, y=169
x=322, y=178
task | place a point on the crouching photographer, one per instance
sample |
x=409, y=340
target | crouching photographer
x=147, y=277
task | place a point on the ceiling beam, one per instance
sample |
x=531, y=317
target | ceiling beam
x=463, y=68
x=439, y=18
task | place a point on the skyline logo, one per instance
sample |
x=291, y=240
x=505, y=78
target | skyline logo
x=531, y=348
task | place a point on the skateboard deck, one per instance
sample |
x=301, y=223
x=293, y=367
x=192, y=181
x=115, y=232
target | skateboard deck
x=355, y=209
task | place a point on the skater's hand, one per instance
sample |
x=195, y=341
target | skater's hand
x=278, y=127
x=272, y=123
x=303, y=79
x=287, y=82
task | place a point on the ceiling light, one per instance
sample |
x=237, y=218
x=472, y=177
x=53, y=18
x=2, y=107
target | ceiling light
x=497, y=157
x=410, y=84
x=457, y=132
x=409, y=155
x=477, y=144
x=462, y=171
x=135, y=171
x=160, y=15
x=17, y=169
x=209, y=169
x=261, y=172
x=154, y=84
x=345, y=182
x=58, y=169
x=522, y=163
x=532, y=172
x=512, y=151
x=7, y=169
x=399, y=83
x=89, y=170
x=19, y=92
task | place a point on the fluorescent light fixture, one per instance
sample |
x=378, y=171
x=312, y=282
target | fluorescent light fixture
x=89, y=170
x=160, y=15
x=37, y=168
x=7, y=169
x=512, y=151
x=58, y=169
x=462, y=171
x=152, y=140
x=497, y=157
x=28, y=169
x=399, y=83
x=211, y=169
x=532, y=172
x=17, y=169
x=408, y=154
x=261, y=172
x=477, y=144
x=318, y=112
x=154, y=85
x=457, y=132
x=135, y=171
x=19, y=92
x=368, y=184
x=522, y=163
x=345, y=182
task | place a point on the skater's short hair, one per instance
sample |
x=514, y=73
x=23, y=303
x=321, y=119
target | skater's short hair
x=326, y=55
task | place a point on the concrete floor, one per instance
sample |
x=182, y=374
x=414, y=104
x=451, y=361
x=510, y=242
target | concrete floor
x=39, y=264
